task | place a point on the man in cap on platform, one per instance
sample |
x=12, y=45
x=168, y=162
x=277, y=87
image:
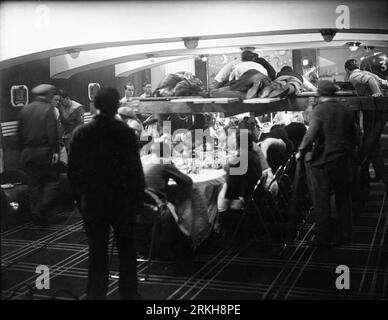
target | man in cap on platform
x=332, y=131
x=38, y=139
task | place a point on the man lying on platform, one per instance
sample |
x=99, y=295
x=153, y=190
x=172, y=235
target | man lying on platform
x=249, y=82
x=224, y=75
x=296, y=81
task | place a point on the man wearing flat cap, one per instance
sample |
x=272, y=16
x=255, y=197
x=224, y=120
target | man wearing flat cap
x=332, y=133
x=39, y=147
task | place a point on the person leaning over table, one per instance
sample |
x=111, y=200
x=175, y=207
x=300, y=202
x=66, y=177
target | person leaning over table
x=252, y=127
x=159, y=168
x=239, y=186
x=233, y=141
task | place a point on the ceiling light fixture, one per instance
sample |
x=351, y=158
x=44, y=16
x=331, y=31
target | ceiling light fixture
x=328, y=34
x=247, y=49
x=73, y=52
x=191, y=43
x=353, y=46
x=151, y=57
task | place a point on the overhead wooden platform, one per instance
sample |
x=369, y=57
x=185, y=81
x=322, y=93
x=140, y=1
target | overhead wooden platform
x=232, y=106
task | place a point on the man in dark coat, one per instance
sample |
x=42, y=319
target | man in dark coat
x=39, y=147
x=333, y=132
x=108, y=183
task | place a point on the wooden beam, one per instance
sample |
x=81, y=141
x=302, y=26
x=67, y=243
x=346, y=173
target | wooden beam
x=237, y=107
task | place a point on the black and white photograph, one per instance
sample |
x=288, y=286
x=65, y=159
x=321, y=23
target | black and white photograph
x=194, y=156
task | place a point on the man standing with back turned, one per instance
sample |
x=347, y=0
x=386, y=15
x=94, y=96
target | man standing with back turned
x=333, y=132
x=108, y=183
x=39, y=147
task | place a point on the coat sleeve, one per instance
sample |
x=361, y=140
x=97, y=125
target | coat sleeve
x=311, y=133
x=270, y=69
x=75, y=163
x=81, y=114
x=134, y=170
x=53, y=131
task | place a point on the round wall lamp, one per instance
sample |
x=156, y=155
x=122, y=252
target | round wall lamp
x=306, y=62
x=353, y=46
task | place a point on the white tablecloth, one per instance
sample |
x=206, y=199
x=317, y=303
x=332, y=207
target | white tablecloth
x=197, y=207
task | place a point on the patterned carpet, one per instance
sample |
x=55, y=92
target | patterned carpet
x=255, y=271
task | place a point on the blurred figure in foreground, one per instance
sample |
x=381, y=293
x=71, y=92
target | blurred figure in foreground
x=38, y=136
x=108, y=184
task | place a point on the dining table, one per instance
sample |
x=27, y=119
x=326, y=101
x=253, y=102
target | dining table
x=197, y=206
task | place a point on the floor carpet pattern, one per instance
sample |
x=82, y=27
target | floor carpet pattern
x=255, y=271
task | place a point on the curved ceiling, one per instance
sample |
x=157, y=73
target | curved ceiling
x=65, y=66
x=106, y=33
